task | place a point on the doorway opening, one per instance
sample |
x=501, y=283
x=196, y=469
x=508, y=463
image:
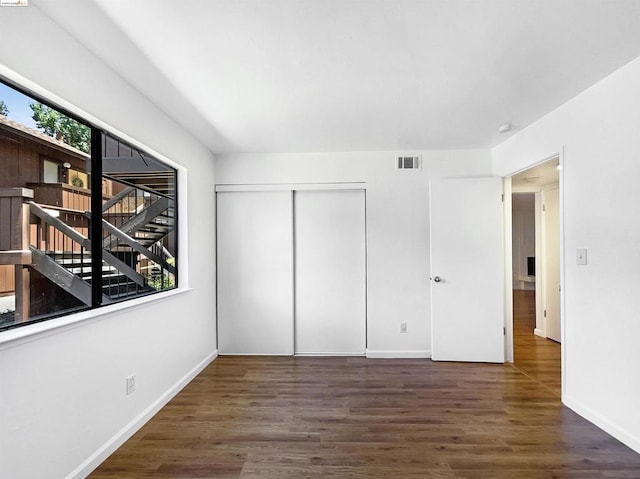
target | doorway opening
x=536, y=273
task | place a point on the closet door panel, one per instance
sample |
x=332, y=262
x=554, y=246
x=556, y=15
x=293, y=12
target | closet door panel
x=255, y=272
x=330, y=272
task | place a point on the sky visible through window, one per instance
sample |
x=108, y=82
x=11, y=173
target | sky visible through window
x=18, y=105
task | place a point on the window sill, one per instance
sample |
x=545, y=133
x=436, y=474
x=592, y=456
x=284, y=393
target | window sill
x=15, y=337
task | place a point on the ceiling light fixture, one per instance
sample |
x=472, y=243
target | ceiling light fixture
x=505, y=127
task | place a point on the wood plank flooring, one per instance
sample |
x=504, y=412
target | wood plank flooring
x=536, y=357
x=286, y=417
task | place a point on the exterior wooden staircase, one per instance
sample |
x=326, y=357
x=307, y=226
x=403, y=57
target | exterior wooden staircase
x=150, y=224
x=136, y=241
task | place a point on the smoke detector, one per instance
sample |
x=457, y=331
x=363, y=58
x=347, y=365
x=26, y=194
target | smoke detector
x=505, y=127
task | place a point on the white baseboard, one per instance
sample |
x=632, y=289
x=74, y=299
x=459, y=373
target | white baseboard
x=108, y=448
x=314, y=355
x=539, y=332
x=415, y=354
x=257, y=354
x=615, y=430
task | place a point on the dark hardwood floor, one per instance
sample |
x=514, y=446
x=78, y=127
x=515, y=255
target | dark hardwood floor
x=536, y=357
x=287, y=417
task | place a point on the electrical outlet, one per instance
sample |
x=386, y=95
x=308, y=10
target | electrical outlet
x=131, y=384
x=403, y=327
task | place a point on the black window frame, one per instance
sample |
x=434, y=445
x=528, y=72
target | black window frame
x=96, y=231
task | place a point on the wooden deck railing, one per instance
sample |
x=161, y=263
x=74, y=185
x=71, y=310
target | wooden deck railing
x=14, y=242
x=14, y=225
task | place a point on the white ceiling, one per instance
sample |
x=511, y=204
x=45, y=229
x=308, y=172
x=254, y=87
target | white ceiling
x=345, y=75
x=537, y=177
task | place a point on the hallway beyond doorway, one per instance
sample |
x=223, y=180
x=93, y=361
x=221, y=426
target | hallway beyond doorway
x=536, y=357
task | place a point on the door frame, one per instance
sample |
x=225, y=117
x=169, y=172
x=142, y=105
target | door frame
x=559, y=154
x=542, y=282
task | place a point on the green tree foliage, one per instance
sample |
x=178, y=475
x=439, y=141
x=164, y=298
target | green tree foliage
x=3, y=108
x=61, y=127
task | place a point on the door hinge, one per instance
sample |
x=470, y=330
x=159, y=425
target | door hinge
x=504, y=331
x=502, y=197
x=544, y=207
x=545, y=313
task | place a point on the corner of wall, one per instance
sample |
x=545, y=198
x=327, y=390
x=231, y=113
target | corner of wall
x=109, y=447
x=620, y=433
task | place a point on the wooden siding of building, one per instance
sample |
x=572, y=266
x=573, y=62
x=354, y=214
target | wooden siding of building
x=61, y=195
x=21, y=163
x=7, y=279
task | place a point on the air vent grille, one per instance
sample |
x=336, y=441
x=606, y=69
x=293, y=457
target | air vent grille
x=408, y=162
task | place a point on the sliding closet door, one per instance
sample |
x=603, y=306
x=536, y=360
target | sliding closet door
x=330, y=291
x=255, y=272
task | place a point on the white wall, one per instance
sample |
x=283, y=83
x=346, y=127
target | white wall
x=599, y=132
x=397, y=228
x=524, y=237
x=62, y=393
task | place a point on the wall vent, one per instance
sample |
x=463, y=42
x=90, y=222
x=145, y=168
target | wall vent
x=408, y=162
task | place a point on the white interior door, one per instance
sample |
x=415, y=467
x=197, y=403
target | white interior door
x=330, y=272
x=551, y=295
x=255, y=272
x=467, y=270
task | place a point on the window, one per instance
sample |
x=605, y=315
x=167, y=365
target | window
x=138, y=220
x=59, y=174
x=51, y=172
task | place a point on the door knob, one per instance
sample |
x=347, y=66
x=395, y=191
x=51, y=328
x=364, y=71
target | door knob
x=437, y=279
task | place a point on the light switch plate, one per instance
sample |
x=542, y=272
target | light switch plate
x=581, y=256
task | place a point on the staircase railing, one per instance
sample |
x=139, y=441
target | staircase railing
x=142, y=218
x=120, y=239
x=124, y=258
x=85, y=243
x=136, y=222
x=149, y=262
x=160, y=250
x=127, y=204
x=58, y=242
x=116, y=199
x=55, y=244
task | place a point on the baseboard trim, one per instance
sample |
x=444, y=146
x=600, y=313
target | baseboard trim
x=607, y=426
x=257, y=354
x=108, y=448
x=539, y=332
x=415, y=354
x=328, y=355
